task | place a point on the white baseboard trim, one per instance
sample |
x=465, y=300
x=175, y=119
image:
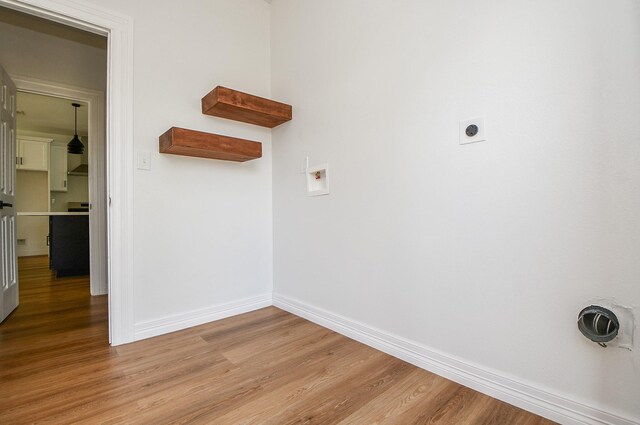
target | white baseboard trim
x=32, y=251
x=178, y=322
x=526, y=396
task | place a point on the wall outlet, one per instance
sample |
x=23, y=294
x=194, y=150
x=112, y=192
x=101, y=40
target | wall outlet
x=472, y=131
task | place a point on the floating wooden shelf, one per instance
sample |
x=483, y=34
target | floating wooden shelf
x=234, y=105
x=180, y=141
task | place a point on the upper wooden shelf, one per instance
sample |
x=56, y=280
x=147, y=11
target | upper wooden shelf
x=234, y=105
x=180, y=141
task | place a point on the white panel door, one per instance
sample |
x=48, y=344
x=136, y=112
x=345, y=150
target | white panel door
x=8, y=257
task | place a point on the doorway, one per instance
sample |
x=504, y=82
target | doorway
x=76, y=181
x=59, y=148
x=52, y=185
x=117, y=147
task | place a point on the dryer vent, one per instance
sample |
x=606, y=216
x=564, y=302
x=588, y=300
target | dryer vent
x=598, y=324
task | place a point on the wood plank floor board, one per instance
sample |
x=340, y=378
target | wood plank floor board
x=305, y=340
x=399, y=399
x=264, y=392
x=350, y=394
x=257, y=380
x=158, y=388
x=250, y=326
x=340, y=362
x=266, y=367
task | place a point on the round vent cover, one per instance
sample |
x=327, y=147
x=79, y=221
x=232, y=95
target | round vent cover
x=598, y=324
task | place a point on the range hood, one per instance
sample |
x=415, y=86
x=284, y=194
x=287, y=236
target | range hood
x=80, y=170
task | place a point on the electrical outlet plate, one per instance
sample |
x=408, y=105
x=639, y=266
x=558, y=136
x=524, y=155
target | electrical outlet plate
x=318, y=180
x=480, y=136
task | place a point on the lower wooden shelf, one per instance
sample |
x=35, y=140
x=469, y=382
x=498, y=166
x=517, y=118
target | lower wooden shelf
x=180, y=141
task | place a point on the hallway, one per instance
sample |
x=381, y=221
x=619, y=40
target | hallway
x=52, y=307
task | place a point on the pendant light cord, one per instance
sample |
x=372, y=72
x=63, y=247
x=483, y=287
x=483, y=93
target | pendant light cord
x=75, y=146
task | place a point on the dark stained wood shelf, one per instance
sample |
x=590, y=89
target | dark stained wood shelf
x=234, y=105
x=180, y=141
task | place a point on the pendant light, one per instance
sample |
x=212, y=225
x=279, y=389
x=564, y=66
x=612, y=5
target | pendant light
x=75, y=146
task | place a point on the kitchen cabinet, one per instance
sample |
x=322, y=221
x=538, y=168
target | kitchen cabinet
x=69, y=245
x=32, y=153
x=58, y=169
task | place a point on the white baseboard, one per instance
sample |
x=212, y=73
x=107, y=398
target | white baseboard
x=101, y=290
x=31, y=252
x=198, y=317
x=524, y=395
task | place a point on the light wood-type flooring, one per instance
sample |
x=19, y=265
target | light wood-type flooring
x=264, y=367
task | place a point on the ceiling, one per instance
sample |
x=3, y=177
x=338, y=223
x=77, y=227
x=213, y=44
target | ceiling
x=34, y=23
x=46, y=114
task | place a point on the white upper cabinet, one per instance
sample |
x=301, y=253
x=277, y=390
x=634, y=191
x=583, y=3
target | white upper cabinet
x=58, y=169
x=32, y=153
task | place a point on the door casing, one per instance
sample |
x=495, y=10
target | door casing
x=119, y=145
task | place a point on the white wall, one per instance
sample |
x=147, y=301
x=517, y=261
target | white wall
x=483, y=252
x=203, y=228
x=28, y=53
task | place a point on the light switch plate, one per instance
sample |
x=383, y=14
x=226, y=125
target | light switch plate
x=480, y=136
x=143, y=160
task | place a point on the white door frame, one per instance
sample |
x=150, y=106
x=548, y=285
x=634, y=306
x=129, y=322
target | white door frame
x=119, y=146
x=97, y=172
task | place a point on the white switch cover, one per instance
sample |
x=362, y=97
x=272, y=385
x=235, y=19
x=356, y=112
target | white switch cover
x=143, y=160
x=480, y=136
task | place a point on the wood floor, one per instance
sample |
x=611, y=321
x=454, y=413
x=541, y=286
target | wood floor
x=264, y=367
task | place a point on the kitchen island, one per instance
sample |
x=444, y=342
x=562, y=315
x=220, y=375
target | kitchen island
x=68, y=241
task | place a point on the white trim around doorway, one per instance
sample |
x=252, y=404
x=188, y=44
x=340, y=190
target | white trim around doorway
x=119, y=146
